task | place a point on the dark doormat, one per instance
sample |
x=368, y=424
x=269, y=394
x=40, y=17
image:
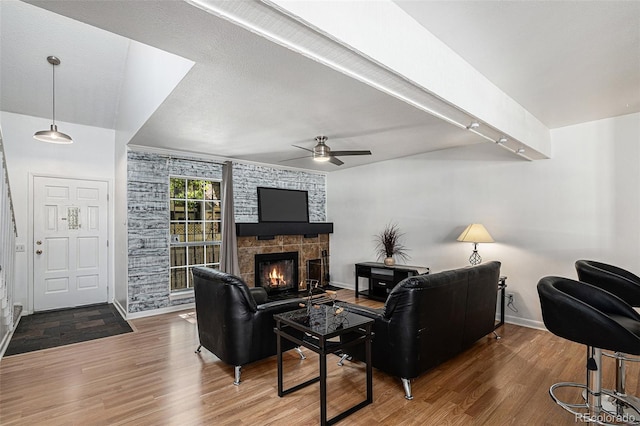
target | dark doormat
x=49, y=329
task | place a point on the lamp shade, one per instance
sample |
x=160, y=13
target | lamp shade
x=475, y=233
x=53, y=136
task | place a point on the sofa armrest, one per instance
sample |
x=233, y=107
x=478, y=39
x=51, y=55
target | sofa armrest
x=259, y=295
x=278, y=306
x=264, y=324
x=380, y=343
x=361, y=310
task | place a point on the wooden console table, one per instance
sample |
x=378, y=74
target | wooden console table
x=382, y=278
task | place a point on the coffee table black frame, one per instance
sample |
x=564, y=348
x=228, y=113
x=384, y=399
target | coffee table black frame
x=319, y=324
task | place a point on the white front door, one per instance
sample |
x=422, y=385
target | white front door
x=69, y=242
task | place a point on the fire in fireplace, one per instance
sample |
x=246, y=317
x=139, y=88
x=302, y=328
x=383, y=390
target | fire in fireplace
x=277, y=272
x=276, y=278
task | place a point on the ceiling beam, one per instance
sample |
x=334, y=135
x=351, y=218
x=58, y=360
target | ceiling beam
x=442, y=85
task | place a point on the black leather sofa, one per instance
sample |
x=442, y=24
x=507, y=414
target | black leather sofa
x=236, y=322
x=428, y=319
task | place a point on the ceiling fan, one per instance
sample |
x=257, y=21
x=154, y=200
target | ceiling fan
x=321, y=152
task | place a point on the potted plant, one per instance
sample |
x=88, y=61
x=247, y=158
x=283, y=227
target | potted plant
x=388, y=245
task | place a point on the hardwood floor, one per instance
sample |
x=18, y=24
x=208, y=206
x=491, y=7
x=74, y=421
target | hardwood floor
x=153, y=377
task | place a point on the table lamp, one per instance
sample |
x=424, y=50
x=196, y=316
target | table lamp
x=475, y=233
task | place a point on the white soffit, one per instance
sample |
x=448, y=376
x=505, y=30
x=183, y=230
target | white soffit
x=364, y=52
x=150, y=76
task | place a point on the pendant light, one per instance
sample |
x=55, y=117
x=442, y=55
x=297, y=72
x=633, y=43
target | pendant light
x=53, y=135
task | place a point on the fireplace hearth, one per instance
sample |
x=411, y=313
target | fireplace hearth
x=277, y=272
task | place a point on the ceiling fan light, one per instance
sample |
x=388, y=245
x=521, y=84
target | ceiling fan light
x=321, y=150
x=321, y=158
x=53, y=136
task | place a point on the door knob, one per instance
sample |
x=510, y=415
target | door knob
x=38, y=251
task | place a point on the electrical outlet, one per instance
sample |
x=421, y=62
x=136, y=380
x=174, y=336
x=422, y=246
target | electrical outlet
x=511, y=298
x=20, y=247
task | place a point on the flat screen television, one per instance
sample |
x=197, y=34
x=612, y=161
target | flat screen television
x=282, y=205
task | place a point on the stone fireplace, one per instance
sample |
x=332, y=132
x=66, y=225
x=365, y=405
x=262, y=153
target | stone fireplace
x=308, y=248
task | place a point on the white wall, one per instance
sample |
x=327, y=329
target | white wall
x=120, y=262
x=544, y=215
x=150, y=76
x=91, y=156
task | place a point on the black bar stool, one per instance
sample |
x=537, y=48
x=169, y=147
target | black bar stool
x=626, y=286
x=589, y=315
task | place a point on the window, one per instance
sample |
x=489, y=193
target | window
x=195, y=216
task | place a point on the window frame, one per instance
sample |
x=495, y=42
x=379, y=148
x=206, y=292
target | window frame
x=186, y=221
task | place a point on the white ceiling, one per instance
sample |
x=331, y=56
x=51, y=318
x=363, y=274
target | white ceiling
x=88, y=80
x=248, y=98
x=566, y=62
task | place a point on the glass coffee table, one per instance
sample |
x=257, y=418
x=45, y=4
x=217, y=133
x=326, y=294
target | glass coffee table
x=319, y=324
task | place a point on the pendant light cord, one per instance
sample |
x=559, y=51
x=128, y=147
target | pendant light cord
x=53, y=85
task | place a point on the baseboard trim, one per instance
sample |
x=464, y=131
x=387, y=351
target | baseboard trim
x=5, y=342
x=160, y=311
x=344, y=285
x=538, y=325
x=7, y=337
x=121, y=310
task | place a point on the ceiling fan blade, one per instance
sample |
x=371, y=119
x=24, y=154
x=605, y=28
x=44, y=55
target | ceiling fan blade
x=335, y=161
x=341, y=153
x=291, y=159
x=301, y=147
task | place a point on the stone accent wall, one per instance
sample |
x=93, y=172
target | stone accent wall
x=247, y=177
x=148, y=224
x=148, y=215
x=307, y=248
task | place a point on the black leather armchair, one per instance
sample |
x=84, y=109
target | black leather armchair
x=235, y=322
x=428, y=319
